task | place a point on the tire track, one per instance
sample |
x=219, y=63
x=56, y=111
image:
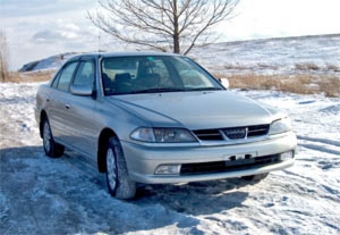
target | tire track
x=321, y=145
x=319, y=140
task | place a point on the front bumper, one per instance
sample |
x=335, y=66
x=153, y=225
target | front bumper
x=143, y=160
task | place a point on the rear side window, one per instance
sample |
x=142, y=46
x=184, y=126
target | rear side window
x=65, y=76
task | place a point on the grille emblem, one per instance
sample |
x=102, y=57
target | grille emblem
x=236, y=133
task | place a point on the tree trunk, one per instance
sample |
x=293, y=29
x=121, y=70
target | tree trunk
x=177, y=48
x=176, y=44
x=3, y=57
x=2, y=70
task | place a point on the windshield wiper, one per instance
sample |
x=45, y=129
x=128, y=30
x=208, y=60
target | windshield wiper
x=157, y=90
x=173, y=89
x=205, y=89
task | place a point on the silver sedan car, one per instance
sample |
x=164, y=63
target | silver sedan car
x=157, y=118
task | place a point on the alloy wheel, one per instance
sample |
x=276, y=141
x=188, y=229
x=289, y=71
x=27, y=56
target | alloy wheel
x=111, y=168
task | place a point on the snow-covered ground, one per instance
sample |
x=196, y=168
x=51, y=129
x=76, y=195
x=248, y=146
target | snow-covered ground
x=40, y=195
x=318, y=55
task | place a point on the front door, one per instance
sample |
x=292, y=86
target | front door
x=80, y=109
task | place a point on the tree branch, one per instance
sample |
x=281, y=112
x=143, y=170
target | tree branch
x=161, y=24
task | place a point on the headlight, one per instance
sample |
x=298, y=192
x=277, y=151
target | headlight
x=143, y=134
x=162, y=135
x=280, y=126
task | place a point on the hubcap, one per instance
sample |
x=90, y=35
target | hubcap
x=111, y=169
x=47, y=137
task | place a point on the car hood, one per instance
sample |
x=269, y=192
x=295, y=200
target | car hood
x=196, y=110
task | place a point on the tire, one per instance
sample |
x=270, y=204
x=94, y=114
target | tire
x=256, y=178
x=117, y=176
x=51, y=148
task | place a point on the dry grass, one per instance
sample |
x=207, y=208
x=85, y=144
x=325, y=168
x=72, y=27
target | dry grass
x=301, y=84
x=307, y=66
x=40, y=76
x=333, y=67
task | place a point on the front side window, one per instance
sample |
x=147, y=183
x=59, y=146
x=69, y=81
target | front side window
x=85, y=74
x=147, y=74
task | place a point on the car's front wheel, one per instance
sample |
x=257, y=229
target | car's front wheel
x=119, y=183
x=51, y=148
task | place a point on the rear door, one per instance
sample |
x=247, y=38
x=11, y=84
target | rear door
x=57, y=102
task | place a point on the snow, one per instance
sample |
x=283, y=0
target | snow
x=317, y=55
x=40, y=195
x=288, y=56
x=50, y=63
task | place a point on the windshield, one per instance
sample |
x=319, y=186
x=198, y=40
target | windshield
x=151, y=74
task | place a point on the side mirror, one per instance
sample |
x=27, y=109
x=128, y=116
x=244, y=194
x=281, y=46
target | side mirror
x=81, y=89
x=224, y=82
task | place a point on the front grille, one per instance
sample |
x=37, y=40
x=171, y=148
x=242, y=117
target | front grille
x=236, y=133
x=232, y=133
x=228, y=166
x=258, y=130
x=206, y=135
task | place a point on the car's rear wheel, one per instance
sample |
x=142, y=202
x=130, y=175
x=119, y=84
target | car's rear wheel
x=119, y=183
x=51, y=148
x=255, y=178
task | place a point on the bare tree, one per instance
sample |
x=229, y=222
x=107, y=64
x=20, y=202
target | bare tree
x=3, y=57
x=176, y=25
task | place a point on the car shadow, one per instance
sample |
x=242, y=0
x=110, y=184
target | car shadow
x=198, y=198
x=46, y=192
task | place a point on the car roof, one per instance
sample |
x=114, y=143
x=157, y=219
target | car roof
x=121, y=54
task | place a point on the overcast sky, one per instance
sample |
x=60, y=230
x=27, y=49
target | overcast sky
x=37, y=29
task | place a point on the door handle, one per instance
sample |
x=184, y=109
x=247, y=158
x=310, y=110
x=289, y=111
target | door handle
x=67, y=106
